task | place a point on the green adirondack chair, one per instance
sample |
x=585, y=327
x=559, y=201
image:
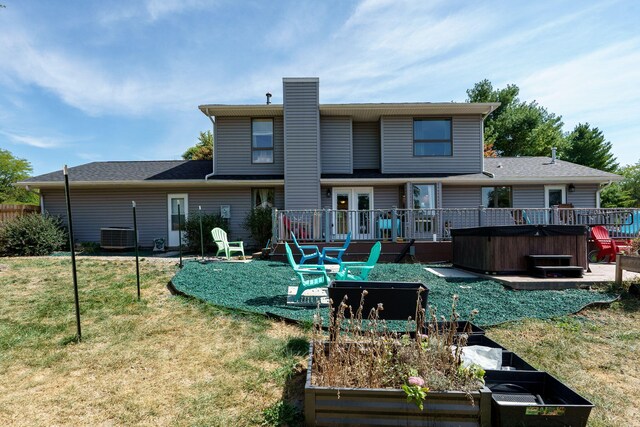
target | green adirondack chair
x=358, y=270
x=225, y=246
x=311, y=276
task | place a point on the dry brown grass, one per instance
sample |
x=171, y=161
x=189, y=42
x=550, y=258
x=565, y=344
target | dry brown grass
x=164, y=361
x=596, y=352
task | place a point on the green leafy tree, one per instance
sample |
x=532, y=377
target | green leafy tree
x=517, y=128
x=625, y=193
x=587, y=146
x=12, y=170
x=203, y=150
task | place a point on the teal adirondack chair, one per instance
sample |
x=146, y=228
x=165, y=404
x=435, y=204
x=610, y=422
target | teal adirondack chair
x=225, y=246
x=358, y=270
x=311, y=276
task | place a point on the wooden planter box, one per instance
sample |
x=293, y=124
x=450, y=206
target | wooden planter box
x=626, y=262
x=324, y=406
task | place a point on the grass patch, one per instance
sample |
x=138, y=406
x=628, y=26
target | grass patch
x=162, y=361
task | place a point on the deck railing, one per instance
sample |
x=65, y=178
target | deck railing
x=327, y=225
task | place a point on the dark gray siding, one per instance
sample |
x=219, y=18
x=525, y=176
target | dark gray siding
x=528, y=196
x=386, y=197
x=461, y=197
x=302, y=143
x=233, y=147
x=98, y=208
x=335, y=144
x=584, y=196
x=397, y=147
x=366, y=145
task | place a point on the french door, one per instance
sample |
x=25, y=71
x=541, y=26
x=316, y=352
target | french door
x=353, y=213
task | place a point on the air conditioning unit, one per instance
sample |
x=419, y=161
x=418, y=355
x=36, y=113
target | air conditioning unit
x=117, y=238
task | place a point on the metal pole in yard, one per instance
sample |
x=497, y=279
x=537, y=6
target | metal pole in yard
x=179, y=233
x=73, y=252
x=201, y=235
x=135, y=240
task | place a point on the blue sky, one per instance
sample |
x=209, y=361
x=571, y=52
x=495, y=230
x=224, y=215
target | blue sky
x=85, y=81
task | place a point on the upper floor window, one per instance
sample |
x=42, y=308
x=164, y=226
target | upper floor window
x=432, y=137
x=496, y=197
x=262, y=141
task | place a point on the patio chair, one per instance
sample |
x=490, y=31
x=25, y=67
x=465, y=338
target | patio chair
x=357, y=270
x=337, y=259
x=311, y=276
x=220, y=239
x=607, y=247
x=305, y=255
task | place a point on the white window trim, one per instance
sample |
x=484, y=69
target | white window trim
x=554, y=187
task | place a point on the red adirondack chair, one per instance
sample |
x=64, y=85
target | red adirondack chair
x=607, y=247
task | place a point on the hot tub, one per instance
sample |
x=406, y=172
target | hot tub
x=504, y=250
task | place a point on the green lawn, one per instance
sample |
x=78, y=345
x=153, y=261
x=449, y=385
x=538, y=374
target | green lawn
x=178, y=361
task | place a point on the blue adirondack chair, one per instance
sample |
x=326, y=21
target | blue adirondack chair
x=358, y=270
x=337, y=259
x=306, y=255
x=311, y=276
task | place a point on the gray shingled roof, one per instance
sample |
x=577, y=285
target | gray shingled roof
x=524, y=167
x=132, y=171
x=502, y=168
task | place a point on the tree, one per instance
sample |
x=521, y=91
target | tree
x=587, y=146
x=203, y=150
x=12, y=170
x=625, y=193
x=517, y=128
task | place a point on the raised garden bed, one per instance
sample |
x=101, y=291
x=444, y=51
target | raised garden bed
x=626, y=262
x=324, y=406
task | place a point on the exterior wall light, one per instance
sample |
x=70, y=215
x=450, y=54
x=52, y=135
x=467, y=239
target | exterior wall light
x=572, y=188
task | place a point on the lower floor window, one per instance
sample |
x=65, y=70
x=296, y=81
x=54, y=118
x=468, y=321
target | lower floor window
x=496, y=197
x=262, y=197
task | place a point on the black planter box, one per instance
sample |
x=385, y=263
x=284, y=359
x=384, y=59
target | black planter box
x=513, y=362
x=398, y=298
x=533, y=398
x=484, y=341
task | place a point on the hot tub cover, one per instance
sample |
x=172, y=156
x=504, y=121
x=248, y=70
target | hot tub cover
x=523, y=230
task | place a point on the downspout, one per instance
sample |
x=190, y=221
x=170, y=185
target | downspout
x=598, y=193
x=213, y=151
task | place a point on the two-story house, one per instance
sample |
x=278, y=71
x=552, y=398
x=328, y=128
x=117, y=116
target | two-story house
x=330, y=169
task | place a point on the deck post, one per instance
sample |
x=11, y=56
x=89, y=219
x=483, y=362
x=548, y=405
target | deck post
x=618, y=270
x=394, y=222
x=556, y=215
x=274, y=225
x=327, y=225
x=480, y=215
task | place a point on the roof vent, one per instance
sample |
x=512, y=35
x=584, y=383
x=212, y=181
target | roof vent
x=553, y=155
x=269, y=98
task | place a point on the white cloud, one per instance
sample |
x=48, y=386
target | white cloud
x=148, y=10
x=35, y=141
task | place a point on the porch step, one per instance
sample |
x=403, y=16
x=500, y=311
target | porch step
x=558, y=271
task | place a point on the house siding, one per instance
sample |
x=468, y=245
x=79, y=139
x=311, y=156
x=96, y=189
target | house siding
x=233, y=148
x=94, y=209
x=335, y=144
x=366, y=145
x=302, y=143
x=528, y=196
x=386, y=197
x=461, y=197
x=397, y=147
x=584, y=196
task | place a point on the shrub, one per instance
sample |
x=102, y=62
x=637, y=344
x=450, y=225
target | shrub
x=635, y=247
x=209, y=222
x=32, y=235
x=258, y=223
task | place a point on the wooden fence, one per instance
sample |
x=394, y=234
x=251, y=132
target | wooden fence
x=8, y=212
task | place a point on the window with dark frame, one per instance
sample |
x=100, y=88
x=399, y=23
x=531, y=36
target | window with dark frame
x=432, y=137
x=496, y=197
x=262, y=141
